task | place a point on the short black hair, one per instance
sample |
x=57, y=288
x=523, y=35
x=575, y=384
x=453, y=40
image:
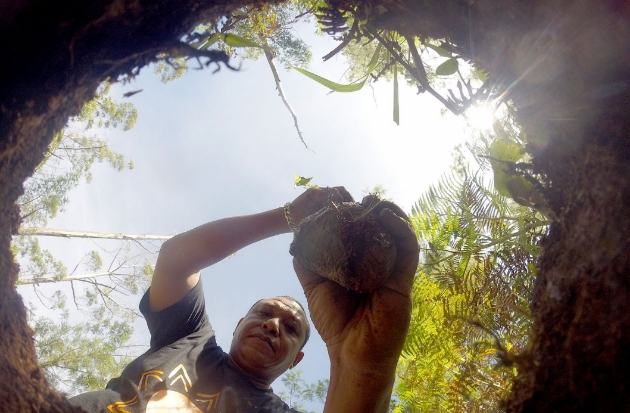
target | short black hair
x=308, y=325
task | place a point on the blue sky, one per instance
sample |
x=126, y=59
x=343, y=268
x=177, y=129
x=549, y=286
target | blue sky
x=209, y=146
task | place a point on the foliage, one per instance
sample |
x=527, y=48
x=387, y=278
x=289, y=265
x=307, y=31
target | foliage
x=127, y=274
x=169, y=70
x=68, y=162
x=300, y=392
x=471, y=292
x=80, y=357
x=71, y=155
x=83, y=356
x=40, y=262
x=511, y=177
x=302, y=181
x=270, y=25
x=249, y=32
x=378, y=191
x=424, y=62
x=359, y=52
x=273, y=23
x=103, y=112
x=353, y=87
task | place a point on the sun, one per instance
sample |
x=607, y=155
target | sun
x=481, y=116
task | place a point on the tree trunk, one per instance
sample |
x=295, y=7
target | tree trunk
x=57, y=53
x=564, y=64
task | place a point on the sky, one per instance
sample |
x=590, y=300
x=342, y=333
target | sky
x=209, y=146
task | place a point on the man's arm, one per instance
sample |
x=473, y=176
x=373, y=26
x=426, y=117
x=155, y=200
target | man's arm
x=183, y=256
x=364, y=333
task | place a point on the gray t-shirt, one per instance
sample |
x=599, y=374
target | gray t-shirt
x=183, y=371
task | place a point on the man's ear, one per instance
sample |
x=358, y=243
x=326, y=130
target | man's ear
x=298, y=358
x=237, y=324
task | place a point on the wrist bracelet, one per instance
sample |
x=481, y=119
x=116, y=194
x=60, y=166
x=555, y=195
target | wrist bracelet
x=287, y=215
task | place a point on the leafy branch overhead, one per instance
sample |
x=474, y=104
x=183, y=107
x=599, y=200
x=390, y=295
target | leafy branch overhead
x=266, y=31
x=391, y=54
x=250, y=33
x=352, y=26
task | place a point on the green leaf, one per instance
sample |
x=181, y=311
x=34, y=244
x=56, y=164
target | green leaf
x=374, y=60
x=506, y=151
x=229, y=39
x=439, y=50
x=338, y=87
x=211, y=40
x=501, y=179
x=481, y=75
x=238, y=41
x=197, y=43
x=205, y=42
x=512, y=186
x=447, y=68
x=506, y=182
x=85, y=352
x=302, y=181
x=520, y=189
x=500, y=130
x=396, y=101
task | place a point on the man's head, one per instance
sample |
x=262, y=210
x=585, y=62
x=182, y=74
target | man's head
x=269, y=339
x=307, y=324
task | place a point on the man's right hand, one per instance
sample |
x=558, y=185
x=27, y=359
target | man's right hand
x=185, y=255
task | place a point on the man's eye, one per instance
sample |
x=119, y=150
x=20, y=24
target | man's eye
x=291, y=329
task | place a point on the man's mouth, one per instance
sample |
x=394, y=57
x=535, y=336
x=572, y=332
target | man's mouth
x=266, y=340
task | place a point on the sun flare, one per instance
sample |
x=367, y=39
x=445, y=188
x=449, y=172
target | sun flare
x=481, y=116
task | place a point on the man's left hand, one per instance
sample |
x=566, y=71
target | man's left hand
x=366, y=331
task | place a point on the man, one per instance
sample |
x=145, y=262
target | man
x=185, y=371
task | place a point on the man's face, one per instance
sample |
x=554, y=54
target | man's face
x=267, y=341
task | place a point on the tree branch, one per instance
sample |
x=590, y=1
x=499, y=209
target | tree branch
x=51, y=232
x=43, y=280
x=276, y=77
x=423, y=73
x=174, y=50
x=347, y=39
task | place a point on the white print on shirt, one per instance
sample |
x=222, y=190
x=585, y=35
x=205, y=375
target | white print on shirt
x=168, y=400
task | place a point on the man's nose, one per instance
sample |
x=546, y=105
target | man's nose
x=272, y=326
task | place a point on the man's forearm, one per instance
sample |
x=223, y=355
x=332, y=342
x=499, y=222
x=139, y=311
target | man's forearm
x=183, y=256
x=359, y=390
x=207, y=244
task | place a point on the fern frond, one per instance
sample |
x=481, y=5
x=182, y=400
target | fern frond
x=478, y=257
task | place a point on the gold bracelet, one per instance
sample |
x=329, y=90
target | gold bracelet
x=287, y=215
